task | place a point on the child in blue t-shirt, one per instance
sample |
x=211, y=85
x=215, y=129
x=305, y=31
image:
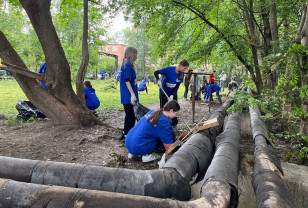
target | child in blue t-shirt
x=214, y=88
x=128, y=89
x=143, y=86
x=172, y=78
x=92, y=101
x=143, y=138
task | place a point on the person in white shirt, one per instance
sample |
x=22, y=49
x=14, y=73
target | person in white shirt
x=222, y=80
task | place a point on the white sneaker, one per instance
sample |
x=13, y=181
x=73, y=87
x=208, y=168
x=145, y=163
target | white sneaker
x=130, y=156
x=150, y=157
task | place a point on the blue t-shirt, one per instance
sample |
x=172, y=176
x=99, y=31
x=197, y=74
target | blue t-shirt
x=92, y=101
x=127, y=73
x=142, y=86
x=142, y=138
x=170, y=79
x=214, y=88
x=43, y=68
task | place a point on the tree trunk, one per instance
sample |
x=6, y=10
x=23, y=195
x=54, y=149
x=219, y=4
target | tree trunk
x=59, y=103
x=85, y=55
x=302, y=38
x=252, y=35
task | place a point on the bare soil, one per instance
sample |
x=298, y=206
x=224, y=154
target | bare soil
x=95, y=145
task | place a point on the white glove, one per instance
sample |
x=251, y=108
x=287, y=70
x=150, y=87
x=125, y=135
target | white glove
x=171, y=97
x=133, y=99
x=159, y=83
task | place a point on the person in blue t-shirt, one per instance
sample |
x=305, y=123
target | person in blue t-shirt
x=128, y=89
x=117, y=77
x=92, y=101
x=214, y=88
x=43, y=67
x=172, y=78
x=143, y=86
x=152, y=129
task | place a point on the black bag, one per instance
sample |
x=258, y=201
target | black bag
x=27, y=110
x=140, y=110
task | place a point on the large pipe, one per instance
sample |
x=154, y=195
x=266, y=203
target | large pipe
x=224, y=166
x=172, y=181
x=270, y=189
x=26, y=195
x=196, y=153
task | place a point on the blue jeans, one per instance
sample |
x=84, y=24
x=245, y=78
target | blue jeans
x=218, y=96
x=222, y=85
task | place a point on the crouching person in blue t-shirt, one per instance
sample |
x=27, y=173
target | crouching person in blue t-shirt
x=152, y=129
x=143, y=86
x=92, y=101
x=214, y=88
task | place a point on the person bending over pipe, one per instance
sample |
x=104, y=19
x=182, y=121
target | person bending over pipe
x=152, y=129
x=173, y=76
x=214, y=88
x=92, y=101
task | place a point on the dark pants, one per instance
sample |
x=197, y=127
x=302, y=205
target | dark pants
x=163, y=100
x=129, y=120
x=186, y=91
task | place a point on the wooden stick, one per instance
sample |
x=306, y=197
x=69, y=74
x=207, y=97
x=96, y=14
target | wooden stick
x=178, y=112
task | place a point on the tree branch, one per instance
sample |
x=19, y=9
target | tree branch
x=85, y=55
x=22, y=71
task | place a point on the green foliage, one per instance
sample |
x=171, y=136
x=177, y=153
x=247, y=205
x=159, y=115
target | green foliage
x=243, y=99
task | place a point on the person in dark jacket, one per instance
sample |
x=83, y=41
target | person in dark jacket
x=92, y=101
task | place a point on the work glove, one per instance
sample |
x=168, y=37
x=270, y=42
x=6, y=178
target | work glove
x=171, y=97
x=133, y=99
x=159, y=83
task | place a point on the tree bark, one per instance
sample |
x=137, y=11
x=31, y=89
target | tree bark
x=85, y=55
x=59, y=103
x=251, y=33
x=302, y=36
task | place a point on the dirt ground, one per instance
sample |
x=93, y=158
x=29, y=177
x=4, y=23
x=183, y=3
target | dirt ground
x=96, y=145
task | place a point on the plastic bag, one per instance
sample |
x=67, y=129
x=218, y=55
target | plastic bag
x=140, y=111
x=27, y=110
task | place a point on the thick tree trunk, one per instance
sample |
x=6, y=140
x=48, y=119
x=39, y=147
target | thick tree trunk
x=59, y=103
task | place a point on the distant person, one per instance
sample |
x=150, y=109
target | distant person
x=214, y=88
x=117, y=77
x=222, y=80
x=153, y=129
x=128, y=89
x=147, y=78
x=233, y=85
x=173, y=76
x=187, y=79
x=143, y=86
x=92, y=101
x=212, y=77
x=198, y=87
x=43, y=67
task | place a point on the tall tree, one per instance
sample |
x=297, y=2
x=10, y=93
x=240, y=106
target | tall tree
x=59, y=103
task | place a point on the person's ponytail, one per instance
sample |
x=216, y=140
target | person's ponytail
x=155, y=116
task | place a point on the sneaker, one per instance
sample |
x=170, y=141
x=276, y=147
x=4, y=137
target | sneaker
x=150, y=157
x=130, y=156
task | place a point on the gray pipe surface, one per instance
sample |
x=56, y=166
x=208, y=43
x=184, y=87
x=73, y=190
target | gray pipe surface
x=224, y=166
x=25, y=195
x=172, y=181
x=270, y=189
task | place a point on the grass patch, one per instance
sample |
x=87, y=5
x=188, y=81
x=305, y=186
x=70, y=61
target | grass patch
x=106, y=90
